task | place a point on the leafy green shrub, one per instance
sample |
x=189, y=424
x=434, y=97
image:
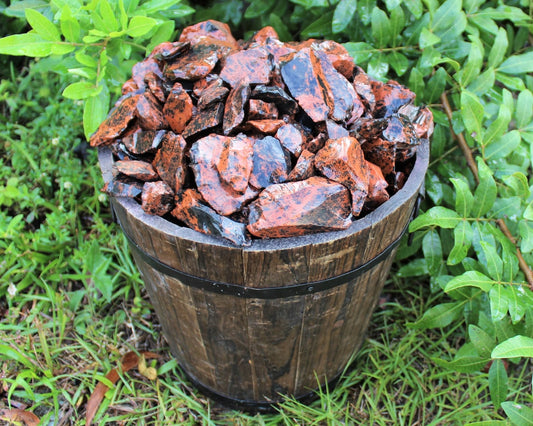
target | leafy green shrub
x=470, y=61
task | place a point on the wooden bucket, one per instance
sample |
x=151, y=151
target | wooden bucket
x=281, y=316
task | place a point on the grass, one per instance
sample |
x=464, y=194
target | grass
x=72, y=303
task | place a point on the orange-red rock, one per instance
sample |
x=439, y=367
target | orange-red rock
x=205, y=120
x=196, y=214
x=235, y=164
x=157, y=198
x=381, y=153
x=389, y=97
x=377, y=186
x=304, y=167
x=247, y=67
x=268, y=127
x=338, y=56
x=270, y=163
x=156, y=86
x=277, y=96
x=128, y=188
x=234, y=109
x=342, y=160
x=292, y=138
x=335, y=130
x=136, y=169
x=178, y=108
x=260, y=110
x=212, y=94
x=117, y=121
x=297, y=208
x=213, y=29
x=149, y=112
x=143, y=141
x=401, y=132
x=205, y=155
x=169, y=161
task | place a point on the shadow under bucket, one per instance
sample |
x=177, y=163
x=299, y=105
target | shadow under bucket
x=279, y=317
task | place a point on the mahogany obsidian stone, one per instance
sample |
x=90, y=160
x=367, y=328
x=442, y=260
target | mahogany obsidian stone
x=259, y=139
x=297, y=208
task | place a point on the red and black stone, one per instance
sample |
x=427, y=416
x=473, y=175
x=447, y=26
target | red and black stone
x=335, y=130
x=277, y=96
x=298, y=208
x=117, y=122
x=196, y=214
x=143, y=141
x=205, y=155
x=304, y=167
x=205, y=120
x=260, y=110
x=212, y=94
x=178, y=108
x=377, y=187
x=270, y=163
x=247, y=67
x=157, y=198
x=382, y=153
x=234, y=109
x=402, y=133
x=389, y=97
x=236, y=162
x=156, y=86
x=342, y=160
x=169, y=162
x=118, y=187
x=292, y=138
x=268, y=127
x=150, y=114
x=136, y=169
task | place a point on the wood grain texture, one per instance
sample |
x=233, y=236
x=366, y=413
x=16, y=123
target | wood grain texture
x=253, y=349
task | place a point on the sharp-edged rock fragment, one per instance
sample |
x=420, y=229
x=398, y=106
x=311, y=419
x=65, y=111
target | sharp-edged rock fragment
x=236, y=162
x=377, y=187
x=268, y=127
x=169, y=161
x=205, y=155
x=196, y=214
x=149, y=113
x=234, y=109
x=136, y=169
x=304, y=167
x=260, y=110
x=297, y=208
x=205, y=120
x=178, y=108
x=143, y=141
x=276, y=95
x=270, y=163
x=157, y=198
x=342, y=160
x=390, y=97
x=292, y=138
x=247, y=67
x=118, y=187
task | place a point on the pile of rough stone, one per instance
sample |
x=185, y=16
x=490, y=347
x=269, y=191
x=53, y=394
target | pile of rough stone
x=261, y=138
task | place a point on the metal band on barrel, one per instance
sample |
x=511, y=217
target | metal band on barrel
x=265, y=292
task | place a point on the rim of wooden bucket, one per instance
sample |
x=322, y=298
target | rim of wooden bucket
x=411, y=188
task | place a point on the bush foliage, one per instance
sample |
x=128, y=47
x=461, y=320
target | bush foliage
x=469, y=60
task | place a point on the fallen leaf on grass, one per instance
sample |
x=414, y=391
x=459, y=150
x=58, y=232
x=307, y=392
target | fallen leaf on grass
x=18, y=415
x=129, y=361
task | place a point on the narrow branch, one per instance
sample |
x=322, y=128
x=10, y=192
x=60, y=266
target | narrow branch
x=473, y=167
x=460, y=139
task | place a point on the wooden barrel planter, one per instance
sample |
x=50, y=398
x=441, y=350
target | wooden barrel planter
x=280, y=317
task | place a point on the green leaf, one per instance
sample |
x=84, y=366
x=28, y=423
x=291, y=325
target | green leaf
x=415, y=268
x=518, y=64
x=449, y=21
x=359, y=51
x=163, y=33
x=517, y=303
x=416, y=82
x=29, y=44
x=397, y=20
x=398, y=62
x=499, y=304
x=319, y=28
x=463, y=197
x=81, y=90
x=378, y=67
x=277, y=23
x=380, y=27
x=494, y=263
x=258, y=8
x=483, y=83
x=486, y=191
x=436, y=85
x=499, y=126
x=519, y=414
x=499, y=47
x=528, y=212
x=525, y=228
x=504, y=146
x=108, y=16
x=498, y=382
x=95, y=111
x=69, y=26
x=439, y=316
x=472, y=67
x=483, y=341
x=15, y=355
x=154, y=6
x=462, y=235
x=415, y=7
x=42, y=26
x=140, y=25
x=467, y=360
x=343, y=15
x=470, y=279
x=524, y=108
x=513, y=83
x=436, y=216
x=427, y=38
x=472, y=112
x=432, y=249
x=515, y=347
